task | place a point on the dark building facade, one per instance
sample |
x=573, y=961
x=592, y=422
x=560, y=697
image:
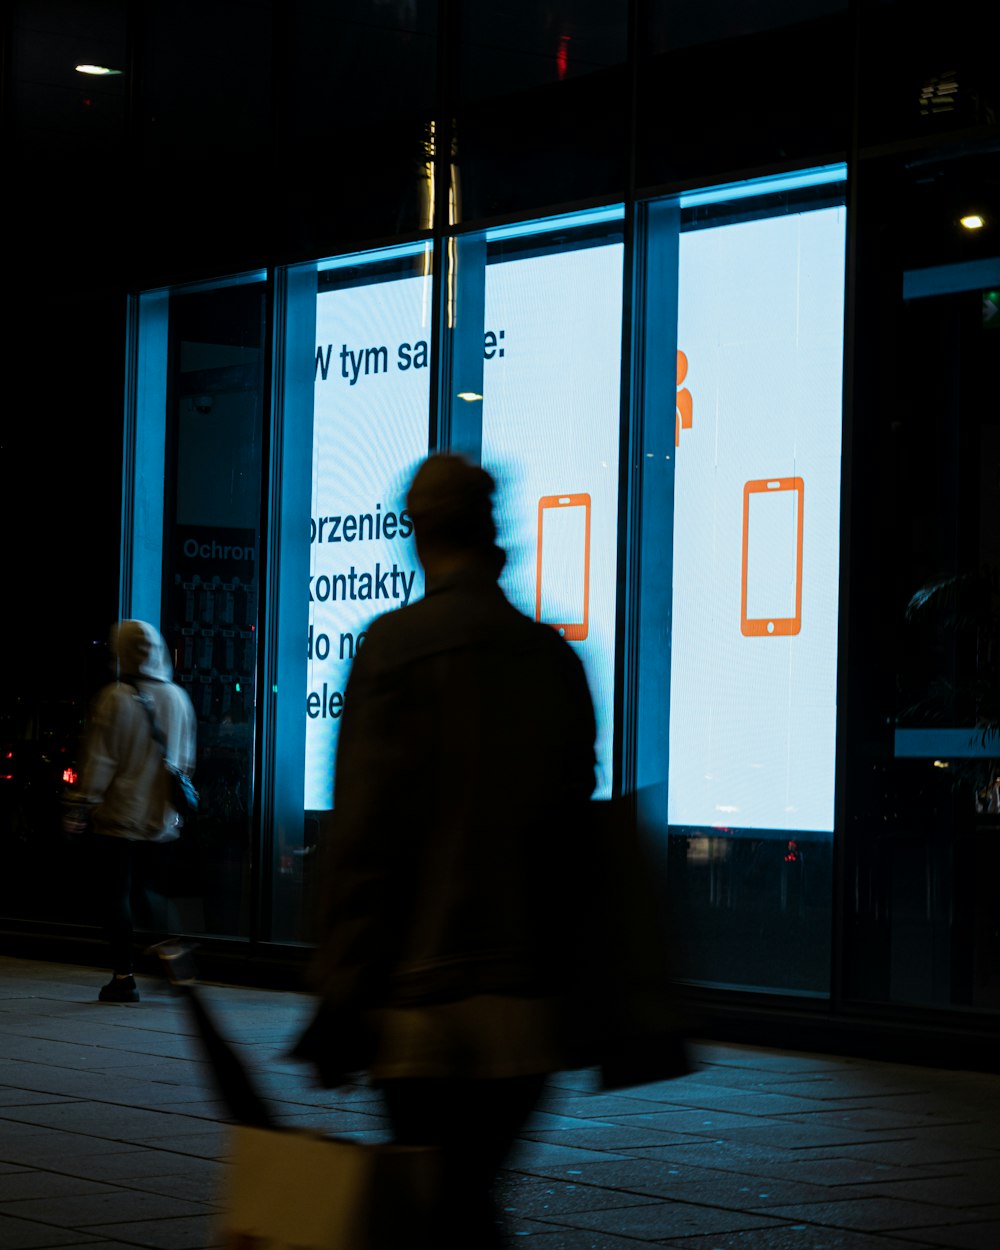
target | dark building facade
x=714, y=291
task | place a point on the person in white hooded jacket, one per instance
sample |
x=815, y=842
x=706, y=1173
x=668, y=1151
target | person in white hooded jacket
x=123, y=783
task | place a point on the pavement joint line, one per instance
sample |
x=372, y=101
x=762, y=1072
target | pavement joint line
x=656, y=1199
x=77, y=1100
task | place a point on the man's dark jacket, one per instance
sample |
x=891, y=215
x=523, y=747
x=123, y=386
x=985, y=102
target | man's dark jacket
x=465, y=762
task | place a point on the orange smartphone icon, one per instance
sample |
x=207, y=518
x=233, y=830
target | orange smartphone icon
x=562, y=575
x=771, y=604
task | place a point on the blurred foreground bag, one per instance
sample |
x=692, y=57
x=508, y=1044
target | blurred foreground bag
x=290, y=1190
x=626, y=1010
x=287, y=1189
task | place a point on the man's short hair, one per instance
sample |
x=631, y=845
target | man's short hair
x=451, y=503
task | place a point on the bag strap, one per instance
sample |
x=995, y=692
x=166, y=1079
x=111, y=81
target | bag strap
x=156, y=733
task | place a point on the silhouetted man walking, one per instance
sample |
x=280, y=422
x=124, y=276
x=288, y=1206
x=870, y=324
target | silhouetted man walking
x=465, y=763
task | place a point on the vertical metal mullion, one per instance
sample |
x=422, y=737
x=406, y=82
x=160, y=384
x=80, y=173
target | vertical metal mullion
x=280, y=809
x=467, y=303
x=448, y=51
x=127, y=554
x=629, y=479
x=439, y=407
x=261, y=832
x=651, y=528
x=839, y=884
x=623, y=767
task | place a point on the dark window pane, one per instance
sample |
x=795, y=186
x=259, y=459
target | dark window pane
x=204, y=134
x=925, y=633
x=542, y=106
x=725, y=87
x=927, y=70
x=356, y=103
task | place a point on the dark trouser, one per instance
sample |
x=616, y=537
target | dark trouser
x=474, y=1123
x=123, y=866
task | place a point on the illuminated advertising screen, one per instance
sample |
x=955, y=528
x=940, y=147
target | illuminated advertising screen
x=550, y=436
x=369, y=434
x=756, y=554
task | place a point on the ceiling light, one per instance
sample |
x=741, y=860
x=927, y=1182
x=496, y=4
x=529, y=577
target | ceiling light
x=99, y=71
x=469, y=396
x=972, y=221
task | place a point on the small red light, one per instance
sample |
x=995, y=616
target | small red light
x=70, y=776
x=562, y=56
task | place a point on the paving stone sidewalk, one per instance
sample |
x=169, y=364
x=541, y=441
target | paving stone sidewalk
x=112, y=1135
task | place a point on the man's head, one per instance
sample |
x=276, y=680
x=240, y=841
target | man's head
x=451, y=504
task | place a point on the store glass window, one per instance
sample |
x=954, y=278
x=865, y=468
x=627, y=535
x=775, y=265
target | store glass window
x=754, y=594
x=922, y=852
x=353, y=398
x=697, y=576
x=192, y=561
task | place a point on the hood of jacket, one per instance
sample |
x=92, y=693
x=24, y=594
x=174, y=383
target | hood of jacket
x=139, y=651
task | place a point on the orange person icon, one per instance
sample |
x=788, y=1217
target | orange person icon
x=685, y=405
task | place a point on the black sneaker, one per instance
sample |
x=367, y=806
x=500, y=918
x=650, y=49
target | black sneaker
x=119, y=990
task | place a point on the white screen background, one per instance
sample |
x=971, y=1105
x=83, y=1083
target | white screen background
x=772, y=543
x=551, y=426
x=368, y=439
x=564, y=542
x=753, y=719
